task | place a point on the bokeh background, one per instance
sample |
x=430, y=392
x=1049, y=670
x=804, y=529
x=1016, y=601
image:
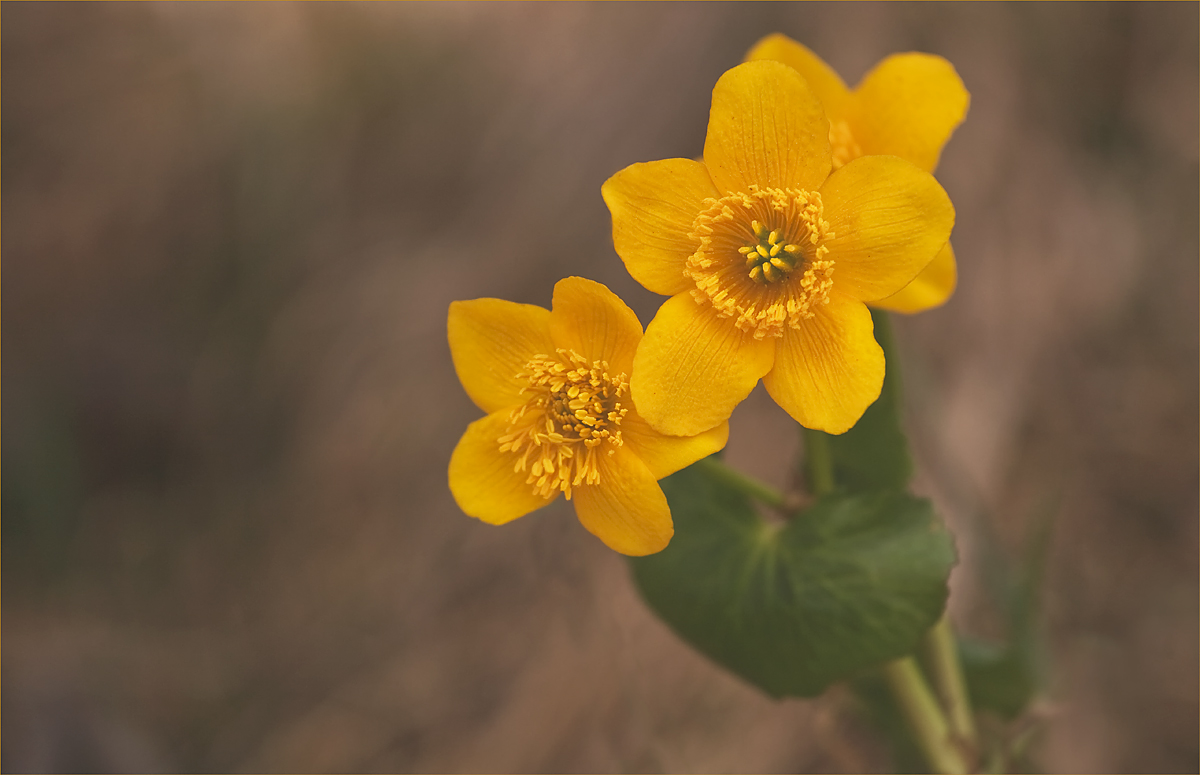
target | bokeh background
x=231, y=233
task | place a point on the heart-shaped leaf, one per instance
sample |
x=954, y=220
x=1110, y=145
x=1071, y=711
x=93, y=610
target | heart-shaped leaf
x=851, y=582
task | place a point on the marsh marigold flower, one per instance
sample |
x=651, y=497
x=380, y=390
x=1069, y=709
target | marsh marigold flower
x=555, y=385
x=907, y=106
x=768, y=259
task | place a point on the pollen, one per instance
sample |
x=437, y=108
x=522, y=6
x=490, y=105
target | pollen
x=842, y=144
x=572, y=416
x=762, y=259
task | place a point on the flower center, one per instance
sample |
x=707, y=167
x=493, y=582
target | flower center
x=573, y=409
x=842, y=144
x=761, y=258
x=771, y=259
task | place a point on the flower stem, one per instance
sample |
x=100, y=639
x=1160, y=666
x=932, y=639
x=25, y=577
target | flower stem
x=749, y=485
x=819, y=462
x=924, y=717
x=941, y=653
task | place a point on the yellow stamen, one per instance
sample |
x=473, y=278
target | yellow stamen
x=573, y=408
x=777, y=280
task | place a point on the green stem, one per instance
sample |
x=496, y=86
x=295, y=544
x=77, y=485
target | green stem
x=924, y=717
x=749, y=485
x=883, y=331
x=941, y=652
x=819, y=461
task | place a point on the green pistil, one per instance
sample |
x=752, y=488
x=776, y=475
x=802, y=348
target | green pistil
x=772, y=259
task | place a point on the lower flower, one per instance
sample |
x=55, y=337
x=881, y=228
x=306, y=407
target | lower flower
x=555, y=385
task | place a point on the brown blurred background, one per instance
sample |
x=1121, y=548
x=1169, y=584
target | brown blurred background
x=231, y=234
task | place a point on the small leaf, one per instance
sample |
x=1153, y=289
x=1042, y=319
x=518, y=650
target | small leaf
x=851, y=582
x=874, y=453
x=1000, y=678
x=1005, y=677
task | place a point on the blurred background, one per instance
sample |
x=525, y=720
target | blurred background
x=231, y=236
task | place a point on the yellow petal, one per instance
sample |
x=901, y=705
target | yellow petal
x=908, y=106
x=766, y=127
x=491, y=340
x=825, y=83
x=692, y=368
x=653, y=206
x=929, y=289
x=890, y=219
x=664, y=455
x=627, y=509
x=830, y=370
x=593, y=321
x=482, y=478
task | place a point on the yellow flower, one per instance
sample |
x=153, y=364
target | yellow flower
x=560, y=420
x=768, y=259
x=907, y=106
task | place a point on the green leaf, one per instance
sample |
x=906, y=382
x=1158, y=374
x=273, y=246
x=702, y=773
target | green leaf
x=1005, y=677
x=1000, y=678
x=851, y=582
x=874, y=453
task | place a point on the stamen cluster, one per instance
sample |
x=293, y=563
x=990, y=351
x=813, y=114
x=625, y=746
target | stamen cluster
x=761, y=258
x=573, y=409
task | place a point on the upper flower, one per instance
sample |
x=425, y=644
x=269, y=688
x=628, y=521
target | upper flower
x=560, y=419
x=907, y=106
x=768, y=259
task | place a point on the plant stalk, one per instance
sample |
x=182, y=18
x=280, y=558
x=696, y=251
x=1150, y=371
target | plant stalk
x=941, y=653
x=736, y=479
x=924, y=717
x=819, y=462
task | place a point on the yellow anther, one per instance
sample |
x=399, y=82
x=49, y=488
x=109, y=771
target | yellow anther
x=577, y=404
x=791, y=258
